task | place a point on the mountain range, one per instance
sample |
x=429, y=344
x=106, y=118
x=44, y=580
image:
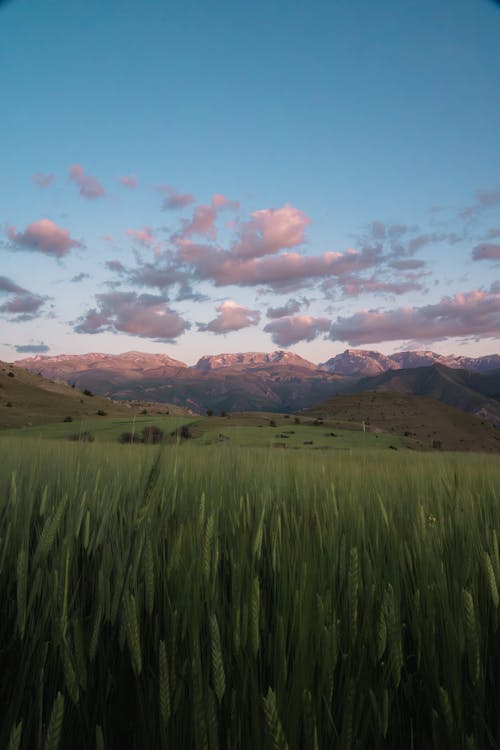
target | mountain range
x=280, y=380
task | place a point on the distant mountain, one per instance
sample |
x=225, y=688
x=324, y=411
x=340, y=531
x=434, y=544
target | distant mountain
x=424, y=422
x=280, y=380
x=252, y=359
x=366, y=362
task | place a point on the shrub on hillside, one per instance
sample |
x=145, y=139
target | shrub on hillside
x=101, y=413
x=152, y=434
x=86, y=392
x=68, y=419
x=82, y=437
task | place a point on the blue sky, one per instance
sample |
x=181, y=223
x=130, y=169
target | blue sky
x=355, y=146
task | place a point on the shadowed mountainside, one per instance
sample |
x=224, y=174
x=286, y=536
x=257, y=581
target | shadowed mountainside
x=425, y=422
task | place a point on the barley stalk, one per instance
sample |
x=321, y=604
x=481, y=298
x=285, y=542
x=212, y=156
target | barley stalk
x=471, y=636
x=133, y=633
x=99, y=738
x=274, y=730
x=149, y=578
x=15, y=737
x=22, y=585
x=164, y=681
x=54, y=730
x=491, y=580
x=254, y=617
x=218, y=675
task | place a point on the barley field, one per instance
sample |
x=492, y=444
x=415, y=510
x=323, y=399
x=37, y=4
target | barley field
x=247, y=598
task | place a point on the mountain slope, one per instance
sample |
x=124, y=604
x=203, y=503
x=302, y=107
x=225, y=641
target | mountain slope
x=471, y=392
x=425, y=422
x=27, y=399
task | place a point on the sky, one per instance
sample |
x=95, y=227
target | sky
x=195, y=178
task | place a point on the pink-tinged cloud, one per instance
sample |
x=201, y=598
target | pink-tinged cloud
x=43, y=180
x=290, y=308
x=221, y=203
x=44, y=237
x=488, y=197
x=231, y=317
x=145, y=315
x=145, y=238
x=486, y=251
x=88, y=186
x=130, y=181
x=174, y=200
x=475, y=313
x=202, y=223
x=290, y=330
x=223, y=268
x=269, y=231
x=353, y=287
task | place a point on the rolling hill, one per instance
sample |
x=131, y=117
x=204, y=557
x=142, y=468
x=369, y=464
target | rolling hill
x=471, y=392
x=27, y=399
x=424, y=422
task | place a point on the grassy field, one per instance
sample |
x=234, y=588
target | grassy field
x=248, y=429
x=247, y=598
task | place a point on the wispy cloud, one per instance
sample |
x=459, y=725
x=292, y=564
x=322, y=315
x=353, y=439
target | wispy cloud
x=44, y=236
x=88, y=186
x=40, y=348
x=174, y=200
x=130, y=181
x=231, y=317
x=21, y=304
x=486, y=251
x=43, y=180
x=144, y=237
x=80, y=277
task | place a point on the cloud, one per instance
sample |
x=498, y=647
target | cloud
x=488, y=197
x=220, y=203
x=269, y=231
x=80, y=277
x=486, y=251
x=88, y=186
x=10, y=287
x=411, y=264
x=130, y=181
x=44, y=237
x=475, y=313
x=290, y=308
x=282, y=271
x=43, y=180
x=174, y=200
x=292, y=329
x=145, y=238
x=22, y=304
x=144, y=315
x=353, y=286
x=40, y=348
x=202, y=223
x=115, y=265
x=231, y=317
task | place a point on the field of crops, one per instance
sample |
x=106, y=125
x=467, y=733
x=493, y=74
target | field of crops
x=247, y=598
